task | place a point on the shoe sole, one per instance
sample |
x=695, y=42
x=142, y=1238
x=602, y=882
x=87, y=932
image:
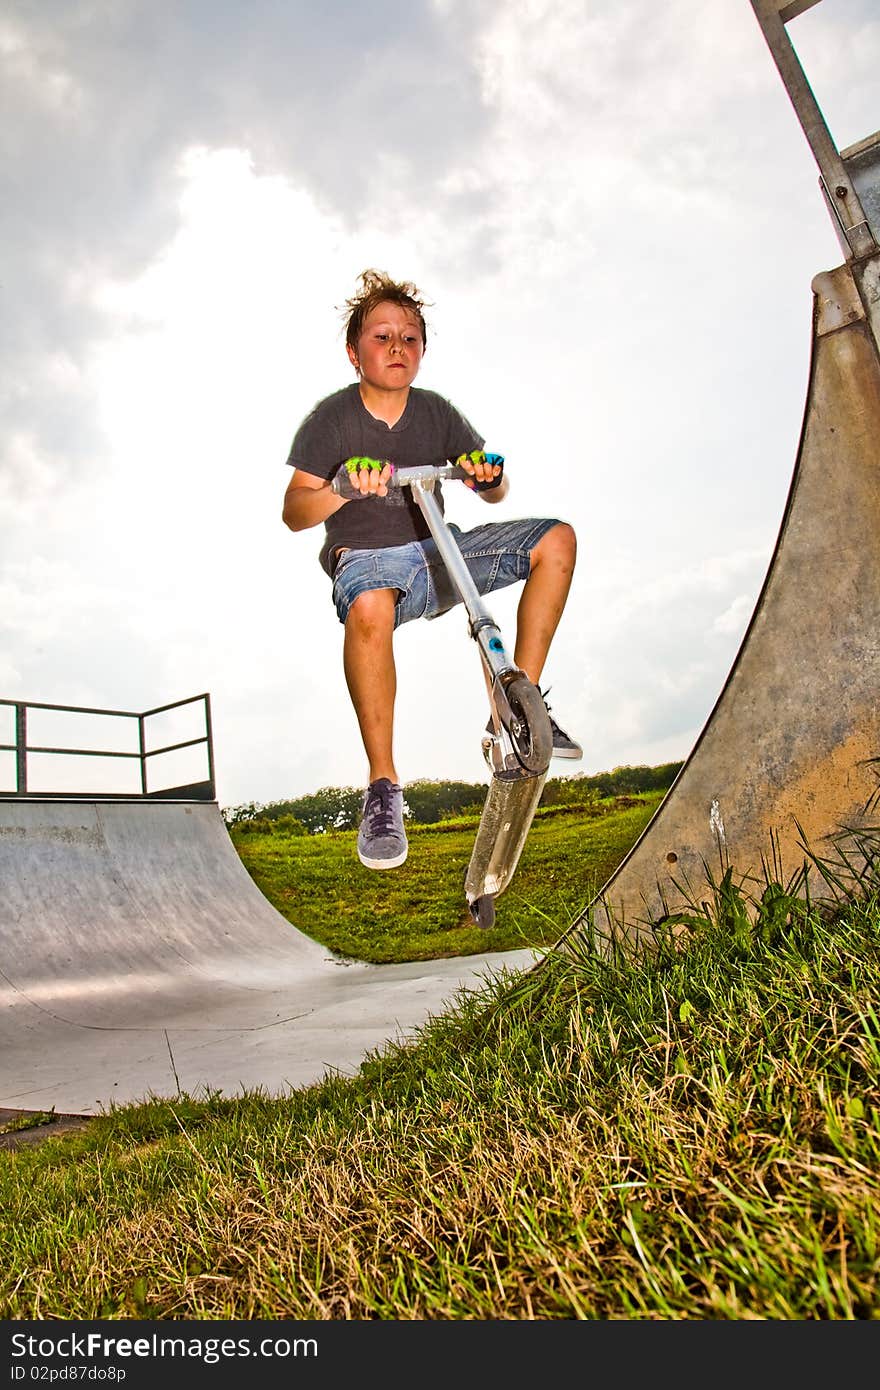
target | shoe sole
x=567, y=753
x=383, y=863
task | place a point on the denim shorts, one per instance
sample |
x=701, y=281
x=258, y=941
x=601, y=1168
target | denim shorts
x=496, y=554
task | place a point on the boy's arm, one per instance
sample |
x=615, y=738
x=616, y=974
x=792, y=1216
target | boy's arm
x=308, y=501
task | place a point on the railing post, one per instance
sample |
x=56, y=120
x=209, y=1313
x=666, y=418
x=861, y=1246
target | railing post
x=142, y=745
x=20, y=748
x=210, y=742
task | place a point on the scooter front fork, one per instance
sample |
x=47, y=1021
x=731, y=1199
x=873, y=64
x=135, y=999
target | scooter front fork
x=498, y=670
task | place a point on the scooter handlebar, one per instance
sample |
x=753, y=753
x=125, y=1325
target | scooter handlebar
x=402, y=477
x=429, y=472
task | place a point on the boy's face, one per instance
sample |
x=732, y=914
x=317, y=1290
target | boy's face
x=389, y=350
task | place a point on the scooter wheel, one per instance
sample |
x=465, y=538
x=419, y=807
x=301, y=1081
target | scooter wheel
x=483, y=910
x=529, y=728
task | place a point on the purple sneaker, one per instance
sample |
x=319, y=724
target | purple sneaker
x=381, y=841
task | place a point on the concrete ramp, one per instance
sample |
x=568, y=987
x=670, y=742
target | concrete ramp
x=793, y=742
x=138, y=958
x=786, y=766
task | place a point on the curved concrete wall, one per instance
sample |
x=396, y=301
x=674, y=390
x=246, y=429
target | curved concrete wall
x=138, y=958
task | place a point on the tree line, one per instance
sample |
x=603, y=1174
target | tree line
x=428, y=801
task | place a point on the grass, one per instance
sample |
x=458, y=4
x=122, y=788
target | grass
x=319, y=885
x=690, y=1134
x=29, y=1120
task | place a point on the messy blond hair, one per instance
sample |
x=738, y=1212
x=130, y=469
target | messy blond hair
x=376, y=288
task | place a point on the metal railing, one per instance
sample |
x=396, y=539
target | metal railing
x=203, y=790
x=841, y=179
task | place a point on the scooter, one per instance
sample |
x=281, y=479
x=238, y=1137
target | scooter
x=520, y=747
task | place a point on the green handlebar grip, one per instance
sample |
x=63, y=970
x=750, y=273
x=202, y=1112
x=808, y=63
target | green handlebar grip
x=357, y=462
x=479, y=456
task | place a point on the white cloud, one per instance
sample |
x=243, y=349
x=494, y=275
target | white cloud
x=31, y=68
x=735, y=617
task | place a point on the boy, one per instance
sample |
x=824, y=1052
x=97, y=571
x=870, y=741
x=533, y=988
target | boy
x=378, y=550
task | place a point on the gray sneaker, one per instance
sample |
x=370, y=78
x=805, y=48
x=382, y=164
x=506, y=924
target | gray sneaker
x=564, y=746
x=381, y=842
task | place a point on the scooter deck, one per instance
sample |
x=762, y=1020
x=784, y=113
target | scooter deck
x=508, y=812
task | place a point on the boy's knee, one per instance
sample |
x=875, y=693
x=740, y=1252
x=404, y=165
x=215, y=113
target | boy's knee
x=558, y=544
x=373, y=609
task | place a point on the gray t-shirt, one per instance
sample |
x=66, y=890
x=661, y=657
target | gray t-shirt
x=430, y=431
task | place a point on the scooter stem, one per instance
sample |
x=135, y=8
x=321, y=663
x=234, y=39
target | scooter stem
x=513, y=792
x=483, y=628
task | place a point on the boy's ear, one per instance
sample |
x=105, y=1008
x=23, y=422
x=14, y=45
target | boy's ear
x=352, y=357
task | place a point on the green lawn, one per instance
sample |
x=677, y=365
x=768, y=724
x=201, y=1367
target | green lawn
x=419, y=911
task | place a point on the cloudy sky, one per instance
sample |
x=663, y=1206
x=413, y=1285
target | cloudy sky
x=616, y=219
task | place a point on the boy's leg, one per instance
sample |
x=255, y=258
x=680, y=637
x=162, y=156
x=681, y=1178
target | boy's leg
x=371, y=677
x=370, y=674
x=541, y=553
x=543, y=598
x=540, y=608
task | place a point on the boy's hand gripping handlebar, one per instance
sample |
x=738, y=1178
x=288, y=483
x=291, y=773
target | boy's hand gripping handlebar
x=341, y=483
